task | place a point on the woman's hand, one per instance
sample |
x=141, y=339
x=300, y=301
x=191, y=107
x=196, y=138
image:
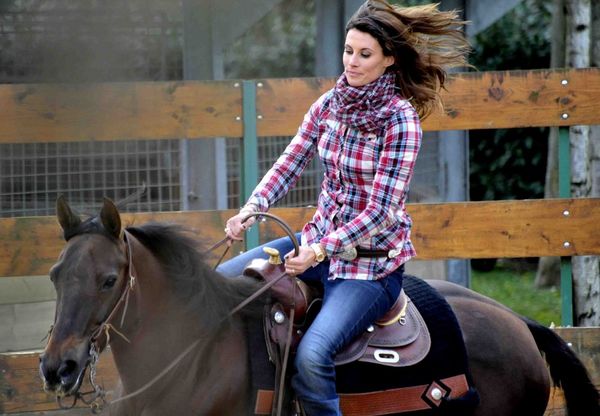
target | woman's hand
x=295, y=265
x=235, y=228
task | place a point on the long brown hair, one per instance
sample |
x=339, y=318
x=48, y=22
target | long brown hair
x=424, y=42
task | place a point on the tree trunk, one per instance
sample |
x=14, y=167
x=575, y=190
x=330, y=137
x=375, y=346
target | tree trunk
x=585, y=268
x=548, y=271
x=595, y=141
x=595, y=130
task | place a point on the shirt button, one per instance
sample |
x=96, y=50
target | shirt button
x=393, y=253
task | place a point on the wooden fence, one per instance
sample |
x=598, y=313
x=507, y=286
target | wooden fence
x=130, y=111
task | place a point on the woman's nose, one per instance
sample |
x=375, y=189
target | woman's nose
x=353, y=60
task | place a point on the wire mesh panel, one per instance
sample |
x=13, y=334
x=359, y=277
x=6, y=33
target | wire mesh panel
x=427, y=184
x=234, y=172
x=33, y=175
x=304, y=193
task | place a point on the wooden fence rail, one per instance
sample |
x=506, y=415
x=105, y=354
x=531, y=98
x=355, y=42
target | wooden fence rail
x=529, y=228
x=193, y=109
x=485, y=100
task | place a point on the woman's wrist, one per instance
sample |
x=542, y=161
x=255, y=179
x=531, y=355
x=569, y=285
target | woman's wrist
x=249, y=209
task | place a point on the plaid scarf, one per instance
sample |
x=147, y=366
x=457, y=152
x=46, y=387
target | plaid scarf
x=364, y=108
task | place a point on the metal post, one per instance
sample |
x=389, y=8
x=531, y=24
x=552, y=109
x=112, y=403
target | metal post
x=249, y=152
x=203, y=160
x=564, y=189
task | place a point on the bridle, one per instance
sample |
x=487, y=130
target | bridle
x=106, y=326
x=98, y=399
x=98, y=395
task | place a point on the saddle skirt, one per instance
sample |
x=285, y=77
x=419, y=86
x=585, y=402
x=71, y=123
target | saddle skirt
x=401, y=342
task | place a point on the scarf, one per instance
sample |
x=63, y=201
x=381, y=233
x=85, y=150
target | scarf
x=365, y=108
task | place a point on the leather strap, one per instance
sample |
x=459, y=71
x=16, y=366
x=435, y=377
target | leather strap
x=400, y=400
x=405, y=399
x=363, y=252
x=264, y=401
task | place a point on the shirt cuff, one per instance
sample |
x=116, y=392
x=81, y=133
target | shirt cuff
x=332, y=244
x=260, y=202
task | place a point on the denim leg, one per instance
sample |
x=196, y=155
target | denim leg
x=349, y=307
x=235, y=266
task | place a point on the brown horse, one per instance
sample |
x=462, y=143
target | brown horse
x=148, y=293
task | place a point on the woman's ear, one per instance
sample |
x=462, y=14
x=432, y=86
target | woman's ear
x=388, y=61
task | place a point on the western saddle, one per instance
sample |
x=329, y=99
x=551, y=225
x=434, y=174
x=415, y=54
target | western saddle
x=400, y=338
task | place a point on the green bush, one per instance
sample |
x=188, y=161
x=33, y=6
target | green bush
x=515, y=289
x=511, y=164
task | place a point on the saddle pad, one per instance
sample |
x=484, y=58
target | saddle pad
x=447, y=356
x=262, y=370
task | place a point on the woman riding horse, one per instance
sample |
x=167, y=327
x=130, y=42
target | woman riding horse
x=366, y=131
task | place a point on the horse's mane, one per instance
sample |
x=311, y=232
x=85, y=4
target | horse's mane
x=208, y=294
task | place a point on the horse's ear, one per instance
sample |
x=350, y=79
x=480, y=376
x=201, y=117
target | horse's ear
x=111, y=220
x=67, y=219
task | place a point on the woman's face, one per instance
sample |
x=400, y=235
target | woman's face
x=363, y=60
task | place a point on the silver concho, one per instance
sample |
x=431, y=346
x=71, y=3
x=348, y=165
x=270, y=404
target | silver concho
x=349, y=254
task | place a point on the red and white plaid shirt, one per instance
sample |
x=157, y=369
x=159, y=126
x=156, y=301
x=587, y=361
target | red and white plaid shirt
x=364, y=188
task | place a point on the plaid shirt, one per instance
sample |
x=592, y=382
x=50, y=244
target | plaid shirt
x=364, y=188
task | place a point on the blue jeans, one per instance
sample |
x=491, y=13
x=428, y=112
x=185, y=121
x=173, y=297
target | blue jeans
x=235, y=267
x=349, y=307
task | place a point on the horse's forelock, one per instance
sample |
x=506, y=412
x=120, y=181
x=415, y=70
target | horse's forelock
x=91, y=225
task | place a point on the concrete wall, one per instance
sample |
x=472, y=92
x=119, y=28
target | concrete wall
x=26, y=312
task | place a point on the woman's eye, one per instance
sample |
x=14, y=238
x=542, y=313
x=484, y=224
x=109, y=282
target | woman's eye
x=109, y=283
x=365, y=55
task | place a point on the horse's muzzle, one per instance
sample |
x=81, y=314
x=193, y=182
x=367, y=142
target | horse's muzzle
x=62, y=375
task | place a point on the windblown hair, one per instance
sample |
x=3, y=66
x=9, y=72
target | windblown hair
x=424, y=43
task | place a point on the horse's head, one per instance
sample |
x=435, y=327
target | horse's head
x=89, y=278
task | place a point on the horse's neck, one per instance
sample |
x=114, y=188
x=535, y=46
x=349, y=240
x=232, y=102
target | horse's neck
x=150, y=295
x=161, y=334
x=155, y=324
x=180, y=384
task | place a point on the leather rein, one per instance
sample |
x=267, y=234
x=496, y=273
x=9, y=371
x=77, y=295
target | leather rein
x=99, y=394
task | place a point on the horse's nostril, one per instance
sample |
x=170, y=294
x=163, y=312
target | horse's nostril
x=67, y=369
x=48, y=374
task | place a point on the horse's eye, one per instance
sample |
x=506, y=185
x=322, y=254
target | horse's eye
x=109, y=282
